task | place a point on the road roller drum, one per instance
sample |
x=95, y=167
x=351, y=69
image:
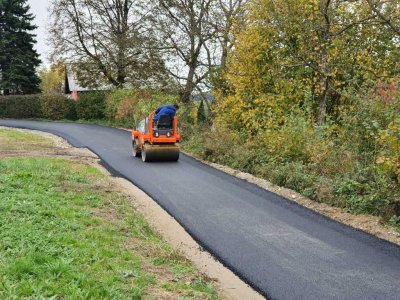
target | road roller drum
x=160, y=153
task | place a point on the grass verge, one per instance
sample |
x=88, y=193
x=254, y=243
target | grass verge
x=19, y=140
x=65, y=232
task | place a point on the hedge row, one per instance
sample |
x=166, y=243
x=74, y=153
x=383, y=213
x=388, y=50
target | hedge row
x=123, y=107
x=91, y=106
x=20, y=107
x=53, y=106
x=57, y=107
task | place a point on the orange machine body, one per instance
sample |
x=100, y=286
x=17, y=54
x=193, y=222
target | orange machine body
x=148, y=134
x=156, y=144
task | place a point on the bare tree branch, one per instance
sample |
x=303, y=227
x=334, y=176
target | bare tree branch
x=107, y=36
x=377, y=7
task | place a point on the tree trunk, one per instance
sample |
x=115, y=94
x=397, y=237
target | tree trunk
x=120, y=78
x=187, y=93
x=224, y=54
x=324, y=77
x=323, y=103
x=189, y=87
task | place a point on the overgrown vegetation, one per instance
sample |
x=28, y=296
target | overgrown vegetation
x=310, y=100
x=122, y=107
x=351, y=163
x=65, y=233
x=127, y=107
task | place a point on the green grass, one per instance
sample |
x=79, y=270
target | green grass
x=17, y=140
x=66, y=232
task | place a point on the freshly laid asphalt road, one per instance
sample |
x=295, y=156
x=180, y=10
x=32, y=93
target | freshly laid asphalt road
x=283, y=250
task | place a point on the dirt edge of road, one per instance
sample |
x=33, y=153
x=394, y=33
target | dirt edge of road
x=228, y=284
x=367, y=223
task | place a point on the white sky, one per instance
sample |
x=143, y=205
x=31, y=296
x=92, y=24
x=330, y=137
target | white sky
x=40, y=9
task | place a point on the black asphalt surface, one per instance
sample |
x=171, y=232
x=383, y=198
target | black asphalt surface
x=283, y=250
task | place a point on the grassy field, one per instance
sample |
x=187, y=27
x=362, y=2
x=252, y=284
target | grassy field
x=19, y=140
x=65, y=232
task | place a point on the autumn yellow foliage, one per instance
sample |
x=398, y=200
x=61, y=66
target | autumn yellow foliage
x=312, y=102
x=389, y=139
x=300, y=55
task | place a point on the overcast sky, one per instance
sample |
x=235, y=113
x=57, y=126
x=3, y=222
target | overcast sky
x=39, y=9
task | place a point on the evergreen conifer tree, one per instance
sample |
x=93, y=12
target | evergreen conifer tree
x=18, y=59
x=201, y=113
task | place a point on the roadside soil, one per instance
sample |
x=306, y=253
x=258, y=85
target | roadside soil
x=228, y=285
x=367, y=223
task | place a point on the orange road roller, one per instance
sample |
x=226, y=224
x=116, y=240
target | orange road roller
x=156, y=140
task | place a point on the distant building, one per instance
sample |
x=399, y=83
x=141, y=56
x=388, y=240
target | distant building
x=74, y=89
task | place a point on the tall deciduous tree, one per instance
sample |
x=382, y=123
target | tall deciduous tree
x=303, y=55
x=225, y=14
x=187, y=38
x=106, y=41
x=18, y=59
x=194, y=36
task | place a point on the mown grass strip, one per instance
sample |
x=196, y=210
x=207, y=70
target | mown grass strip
x=18, y=140
x=64, y=232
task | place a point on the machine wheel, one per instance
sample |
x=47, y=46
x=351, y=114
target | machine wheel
x=136, y=148
x=144, y=155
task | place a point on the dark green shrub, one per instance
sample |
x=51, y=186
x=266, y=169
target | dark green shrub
x=71, y=112
x=20, y=107
x=201, y=113
x=395, y=221
x=55, y=106
x=91, y=105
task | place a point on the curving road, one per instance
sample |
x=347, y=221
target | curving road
x=283, y=250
